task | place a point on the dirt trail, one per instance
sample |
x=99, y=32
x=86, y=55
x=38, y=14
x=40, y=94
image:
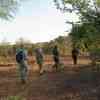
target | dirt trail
x=72, y=83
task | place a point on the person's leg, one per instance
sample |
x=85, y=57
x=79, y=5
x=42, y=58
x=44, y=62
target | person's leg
x=57, y=65
x=21, y=73
x=23, y=76
x=24, y=72
x=42, y=70
x=40, y=66
x=75, y=60
x=26, y=69
x=40, y=63
x=56, y=62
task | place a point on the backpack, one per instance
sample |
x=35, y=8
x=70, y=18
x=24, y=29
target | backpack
x=19, y=56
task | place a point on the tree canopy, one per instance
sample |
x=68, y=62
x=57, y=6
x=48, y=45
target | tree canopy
x=85, y=33
x=8, y=8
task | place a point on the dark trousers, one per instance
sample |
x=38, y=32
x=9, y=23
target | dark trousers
x=56, y=60
x=74, y=57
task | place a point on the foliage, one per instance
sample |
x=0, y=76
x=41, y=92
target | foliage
x=63, y=43
x=86, y=33
x=85, y=36
x=64, y=46
x=8, y=8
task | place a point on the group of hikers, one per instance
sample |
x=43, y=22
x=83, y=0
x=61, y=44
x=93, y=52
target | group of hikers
x=22, y=58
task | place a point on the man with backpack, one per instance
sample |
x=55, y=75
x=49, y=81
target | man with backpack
x=21, y=58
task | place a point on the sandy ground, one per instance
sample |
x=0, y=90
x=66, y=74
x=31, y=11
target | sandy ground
x=72, y=83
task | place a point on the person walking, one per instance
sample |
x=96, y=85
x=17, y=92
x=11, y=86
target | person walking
x=56, y=57
x=39, y=59
x=75, y=53
x=21, y=58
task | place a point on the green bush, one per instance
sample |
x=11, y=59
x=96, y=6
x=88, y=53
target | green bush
x=96, y=50
x=15, y=98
